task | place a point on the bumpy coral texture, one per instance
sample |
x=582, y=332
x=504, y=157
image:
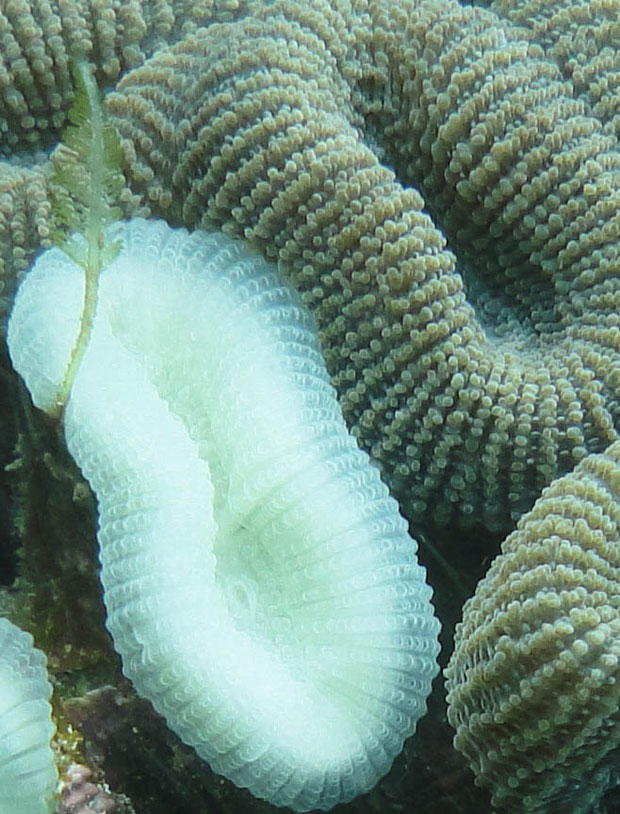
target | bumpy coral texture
x=38, y=42
x=281, y=124
x=24, y=222
x=40, y=39
x=533, y=685
x=264, y=127
x=583, y=38
x=314, y=129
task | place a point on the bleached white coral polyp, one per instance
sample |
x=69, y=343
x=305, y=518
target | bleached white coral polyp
x=27, y=771
x=261, y=586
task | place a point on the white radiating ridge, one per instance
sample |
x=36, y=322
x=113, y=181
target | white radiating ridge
x=27, y=771
x=261, y=586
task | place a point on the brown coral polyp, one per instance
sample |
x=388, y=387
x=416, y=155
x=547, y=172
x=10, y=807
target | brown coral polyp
x=532, y=684
x=471, y=404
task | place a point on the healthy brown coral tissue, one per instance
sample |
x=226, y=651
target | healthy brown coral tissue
x=309, y=128
x=532, y=684
x=263, y=127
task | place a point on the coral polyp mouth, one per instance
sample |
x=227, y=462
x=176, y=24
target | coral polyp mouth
x=241, y=597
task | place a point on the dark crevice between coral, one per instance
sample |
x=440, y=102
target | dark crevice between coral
x=55, y=568
x=9, y=538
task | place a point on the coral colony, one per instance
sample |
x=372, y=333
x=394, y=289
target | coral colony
x=439, y=186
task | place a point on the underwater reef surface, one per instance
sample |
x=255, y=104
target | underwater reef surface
x=440, y=182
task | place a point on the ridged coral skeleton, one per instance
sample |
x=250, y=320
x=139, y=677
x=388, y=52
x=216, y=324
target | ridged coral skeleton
x=260, y=584
x=27, y=771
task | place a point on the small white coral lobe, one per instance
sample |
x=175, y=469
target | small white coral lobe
x=27, y=771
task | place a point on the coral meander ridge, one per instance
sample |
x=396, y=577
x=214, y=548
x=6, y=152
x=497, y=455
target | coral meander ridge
x=260, y=584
